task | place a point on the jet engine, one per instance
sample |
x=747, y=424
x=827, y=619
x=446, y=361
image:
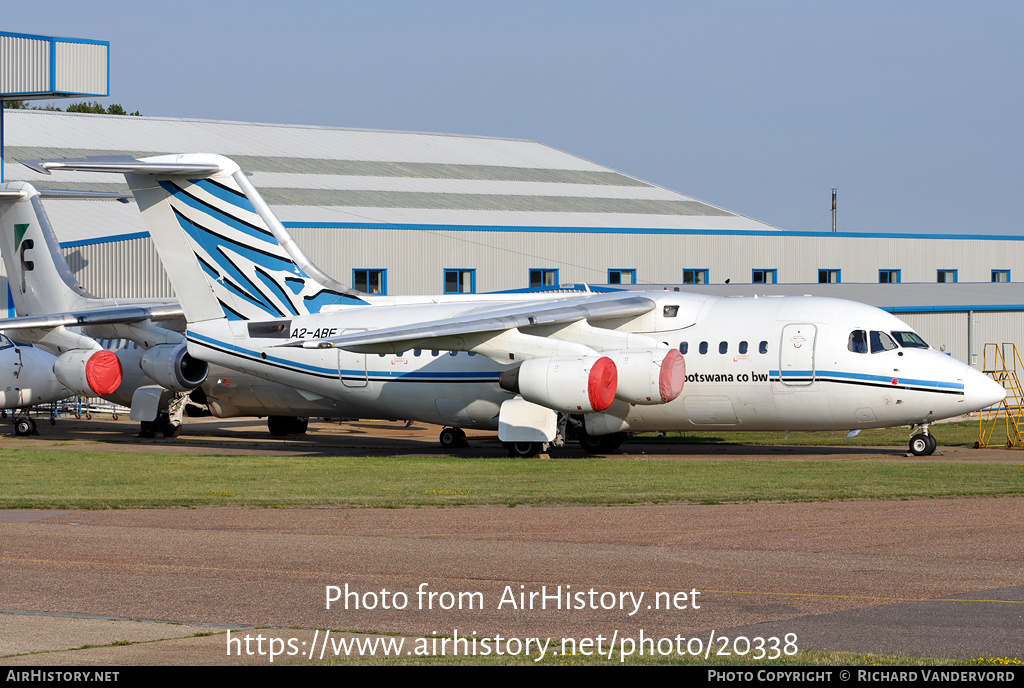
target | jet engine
x=171, y=367
x=649, y=376
x=92, y=373
x=572, y=385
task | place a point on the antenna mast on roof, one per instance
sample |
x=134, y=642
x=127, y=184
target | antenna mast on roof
x=833, y=209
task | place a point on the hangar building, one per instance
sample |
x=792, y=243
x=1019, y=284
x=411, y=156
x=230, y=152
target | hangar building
x=416, y=213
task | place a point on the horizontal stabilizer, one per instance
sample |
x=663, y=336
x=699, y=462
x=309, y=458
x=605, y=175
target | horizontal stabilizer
x=123, y=164
x=102, y=316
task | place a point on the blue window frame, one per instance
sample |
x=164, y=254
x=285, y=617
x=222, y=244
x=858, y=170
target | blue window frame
x=459, y=281
x=543, y=277
x=1000, y=275
x=946, y=276
x=765, y=276
x=695, y=276
x=621, y=275
x=889, y=276
x=829, y=276
x=370, y=281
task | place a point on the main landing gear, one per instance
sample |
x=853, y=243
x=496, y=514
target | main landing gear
x=923, y=443
x=569, y=428
x=24, y=426
x=280, y=426
x=452, y=438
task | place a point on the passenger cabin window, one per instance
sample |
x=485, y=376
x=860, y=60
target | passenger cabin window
x=880, y=341
x=684, y=347
x=858, y=342
x=723, y=347
x=763, y=347
x=703, y=347
x=743, y=347
x=909, y=340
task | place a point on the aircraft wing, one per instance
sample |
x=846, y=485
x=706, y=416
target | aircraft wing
x=447, y=333
x=98, y=316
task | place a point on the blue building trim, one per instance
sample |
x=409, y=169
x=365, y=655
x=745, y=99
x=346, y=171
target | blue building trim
x=53, y=41
x=642, y=230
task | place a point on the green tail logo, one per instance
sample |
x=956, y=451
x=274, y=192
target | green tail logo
x=19, y=234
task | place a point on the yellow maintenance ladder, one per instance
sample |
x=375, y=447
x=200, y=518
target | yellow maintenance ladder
x=1003, y=363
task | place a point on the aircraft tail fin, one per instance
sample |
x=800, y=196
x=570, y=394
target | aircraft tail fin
x=226, y=253
x=39, y=277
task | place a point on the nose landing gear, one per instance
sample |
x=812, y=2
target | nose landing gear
x=923, y=443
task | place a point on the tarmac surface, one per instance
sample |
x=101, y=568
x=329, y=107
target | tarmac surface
x=935, y=577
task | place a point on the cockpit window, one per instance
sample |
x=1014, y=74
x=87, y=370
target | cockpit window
x=858, y=343
x=880, y=341
x=5, y=342
x=909, y=340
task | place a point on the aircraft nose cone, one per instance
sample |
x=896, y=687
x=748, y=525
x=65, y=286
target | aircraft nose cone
x=981, y=391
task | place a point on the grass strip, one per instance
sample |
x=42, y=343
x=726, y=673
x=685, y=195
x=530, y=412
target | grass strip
x=34, y=478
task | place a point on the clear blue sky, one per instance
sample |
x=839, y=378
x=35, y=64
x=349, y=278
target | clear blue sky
x=912, y=109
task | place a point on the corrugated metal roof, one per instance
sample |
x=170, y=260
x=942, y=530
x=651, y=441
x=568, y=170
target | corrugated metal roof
x=364, y=168
x=318, y=174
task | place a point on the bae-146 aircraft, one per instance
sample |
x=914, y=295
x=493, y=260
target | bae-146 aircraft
x=145, y=336
x=26, y=379
x=539, y=368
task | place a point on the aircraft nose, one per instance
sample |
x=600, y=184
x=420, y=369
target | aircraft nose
x=981, y=391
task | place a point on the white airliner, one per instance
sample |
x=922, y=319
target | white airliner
x=145, y=335
x=26, y=379
x=539, y=368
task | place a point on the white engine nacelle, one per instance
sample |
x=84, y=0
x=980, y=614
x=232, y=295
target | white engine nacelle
x=172, y=368
x=572, y=385
x=649, y=376
x=93, y=373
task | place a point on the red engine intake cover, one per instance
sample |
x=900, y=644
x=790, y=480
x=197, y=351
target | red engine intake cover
x=603, y=381
x=103, y=372
x=673, y=375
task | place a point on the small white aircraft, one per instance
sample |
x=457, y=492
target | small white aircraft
x=145, y=335
x=539, y=368
x=26, y=379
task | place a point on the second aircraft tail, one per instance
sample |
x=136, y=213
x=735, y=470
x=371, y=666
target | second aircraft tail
x=226, y=253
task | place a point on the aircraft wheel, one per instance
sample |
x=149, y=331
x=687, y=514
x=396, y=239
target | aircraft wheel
x=171, y=429
x=592, y=444
x=602, y=444
x=279, y=426
x=147, y=429
x=615, y=440
x=921, y=445
x=933, y=443
x=22, y=427
x=32, y=425
x=449, y=438
x=523, y=450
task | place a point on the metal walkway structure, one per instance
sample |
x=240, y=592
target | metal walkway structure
x=1003, y=363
